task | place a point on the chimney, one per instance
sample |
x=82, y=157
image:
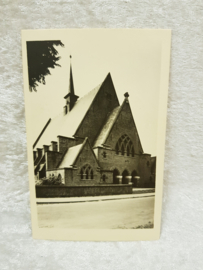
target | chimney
x=34, y=155
x=65, y=109
x=54, y=146
x=45, y=148
x=39, y=152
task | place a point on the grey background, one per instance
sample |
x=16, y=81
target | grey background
x=181, y=242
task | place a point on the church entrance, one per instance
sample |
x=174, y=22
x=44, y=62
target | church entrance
x=124, y=179
x=134, y=179
x=115, y=174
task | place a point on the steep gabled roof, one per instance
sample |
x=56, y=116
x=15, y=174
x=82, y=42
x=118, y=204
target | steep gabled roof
x=66, y=125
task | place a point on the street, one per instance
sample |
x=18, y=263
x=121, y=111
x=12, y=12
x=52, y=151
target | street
x=111, y=214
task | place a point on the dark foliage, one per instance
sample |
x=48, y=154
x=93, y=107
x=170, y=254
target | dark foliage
x=41, y=55
x=52, y=180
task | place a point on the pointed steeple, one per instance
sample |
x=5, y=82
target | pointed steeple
x=71, y=85
x=70, y=98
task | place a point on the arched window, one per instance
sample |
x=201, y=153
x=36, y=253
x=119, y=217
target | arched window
x=122, y=150
x=91, y=174
x=124, y=174
x=117, y=148
x=86, y=173
x=125, y=145
x=81, y=174
x=133, y=153
x=128, y=150
x=115, y=174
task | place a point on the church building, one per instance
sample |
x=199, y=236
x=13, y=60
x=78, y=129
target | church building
x=93, y=141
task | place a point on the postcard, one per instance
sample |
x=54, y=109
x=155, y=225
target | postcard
x=96, y=110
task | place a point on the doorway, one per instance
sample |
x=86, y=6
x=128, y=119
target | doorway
x=115, y=174
x=124, y=174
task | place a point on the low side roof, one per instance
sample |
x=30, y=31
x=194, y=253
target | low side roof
x=66, y=125
x=70, y=156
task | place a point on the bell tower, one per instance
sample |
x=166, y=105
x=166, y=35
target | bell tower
x=70, y=98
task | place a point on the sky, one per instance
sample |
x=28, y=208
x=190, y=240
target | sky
x=134, y=61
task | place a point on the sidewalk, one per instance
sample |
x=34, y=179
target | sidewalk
x=92, y=198
x=143, y=190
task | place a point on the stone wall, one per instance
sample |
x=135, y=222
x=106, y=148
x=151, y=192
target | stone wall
x=78, y=191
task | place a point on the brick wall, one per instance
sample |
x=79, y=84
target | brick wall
x=124, y=125
x=52, y=159
x=107, y=177
x=114, y=161
x=64, y=143
x=77, y=191
x=73, y=177
x=145, y=169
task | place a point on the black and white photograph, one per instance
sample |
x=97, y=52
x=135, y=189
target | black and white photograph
x=95, y=103
x=101, y=135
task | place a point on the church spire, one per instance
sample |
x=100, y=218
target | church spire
x=71, y=85
x=70, y=98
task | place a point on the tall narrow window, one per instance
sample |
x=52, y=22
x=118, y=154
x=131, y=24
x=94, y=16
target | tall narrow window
x=125, y=145
x=133, y=152
x=81, y=174
x=128, y=151
x=86, y=173
x=117, y=149
x=122, y=150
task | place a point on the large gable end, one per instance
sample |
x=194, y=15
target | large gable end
x=120, y=122
x=72, y=155
x=101, y=106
